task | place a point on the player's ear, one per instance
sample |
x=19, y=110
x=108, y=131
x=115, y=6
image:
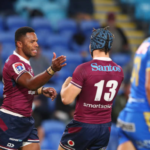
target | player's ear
x=19, y=44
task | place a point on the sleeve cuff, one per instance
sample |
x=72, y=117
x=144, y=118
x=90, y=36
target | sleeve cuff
x=20, y=75
x=75, y=84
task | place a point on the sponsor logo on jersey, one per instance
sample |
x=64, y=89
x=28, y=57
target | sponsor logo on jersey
x=143, y=144
x=96, y=105
x=71, y=143
x=96, y=67
x=18, y=67
x=31, y=92
x=17, y=140
x=30, y=70
x=130, y=127
x=10, y=145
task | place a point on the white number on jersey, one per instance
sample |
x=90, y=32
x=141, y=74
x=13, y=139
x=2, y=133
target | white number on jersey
x=112, y=84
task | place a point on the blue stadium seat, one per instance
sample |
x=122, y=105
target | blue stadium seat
x=63, y=3
x=7, y=37
x=61, y=77
x=55, y=139
x=142, y=11
x=54, y=12
x=47, y=145
x=74, y=58
x=7, y=50
x=79, y=48
x=61, y=50
x=87, y=58
x=123, y=1
x=1, y=23
x=1, y=89
x=15, y=22
x=41, y=34
x=56, y=40
x=41, y=24
x=87, y=26
x=129, y=2
x=21, y=5
x=57, y=85
x=34, y=0
x=53, y=126
x=53, y=132
x=121, y=59
x=48, y=54
x=67, y=25
x=51, y=105
x=133, y=2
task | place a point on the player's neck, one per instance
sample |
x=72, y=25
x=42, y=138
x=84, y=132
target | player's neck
x=100, y=54
x=20, y=52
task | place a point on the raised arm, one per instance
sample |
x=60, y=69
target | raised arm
x=33, y=83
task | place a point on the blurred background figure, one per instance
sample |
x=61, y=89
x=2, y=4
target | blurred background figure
x=65, y=27
x=81, y=10
x=39, y=67
x=120, y=44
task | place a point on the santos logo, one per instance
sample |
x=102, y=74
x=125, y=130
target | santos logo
x=96, y=67
x=10, y=145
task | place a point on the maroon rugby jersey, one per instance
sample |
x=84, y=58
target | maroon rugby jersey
x=17, y=98
x=99, y=80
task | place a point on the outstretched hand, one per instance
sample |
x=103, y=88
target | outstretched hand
x=49, y=92
x=57, y=63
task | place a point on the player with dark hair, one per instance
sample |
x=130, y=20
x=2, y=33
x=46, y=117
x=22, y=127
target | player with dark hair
x=20, y=85
x=134, y=120
x=95, y=84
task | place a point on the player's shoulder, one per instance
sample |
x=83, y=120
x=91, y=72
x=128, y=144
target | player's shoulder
x=119, y=68
x=84, y=65
x=13, y=61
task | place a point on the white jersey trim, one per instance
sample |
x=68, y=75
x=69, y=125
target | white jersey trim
x=102, y=58
x=77, y=85
x=10, y=113
x=21, y=58
x=7, y=148
x=25, y=143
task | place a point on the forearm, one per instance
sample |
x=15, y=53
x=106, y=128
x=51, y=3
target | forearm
x=65, y=91
x=39, y=80
x=33, y=83
x=65, y=95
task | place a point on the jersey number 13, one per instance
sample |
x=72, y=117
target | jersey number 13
x=111, y=84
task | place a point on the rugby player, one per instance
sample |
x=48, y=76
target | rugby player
x=20, y=85
x=94, y=84
x=134, y=120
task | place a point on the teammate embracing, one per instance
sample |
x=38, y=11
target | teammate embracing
x=20, y=85
x=95, y=84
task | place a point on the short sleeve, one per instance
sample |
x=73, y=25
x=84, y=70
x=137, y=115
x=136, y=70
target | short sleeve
x=16, y=70
x=78, y=77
